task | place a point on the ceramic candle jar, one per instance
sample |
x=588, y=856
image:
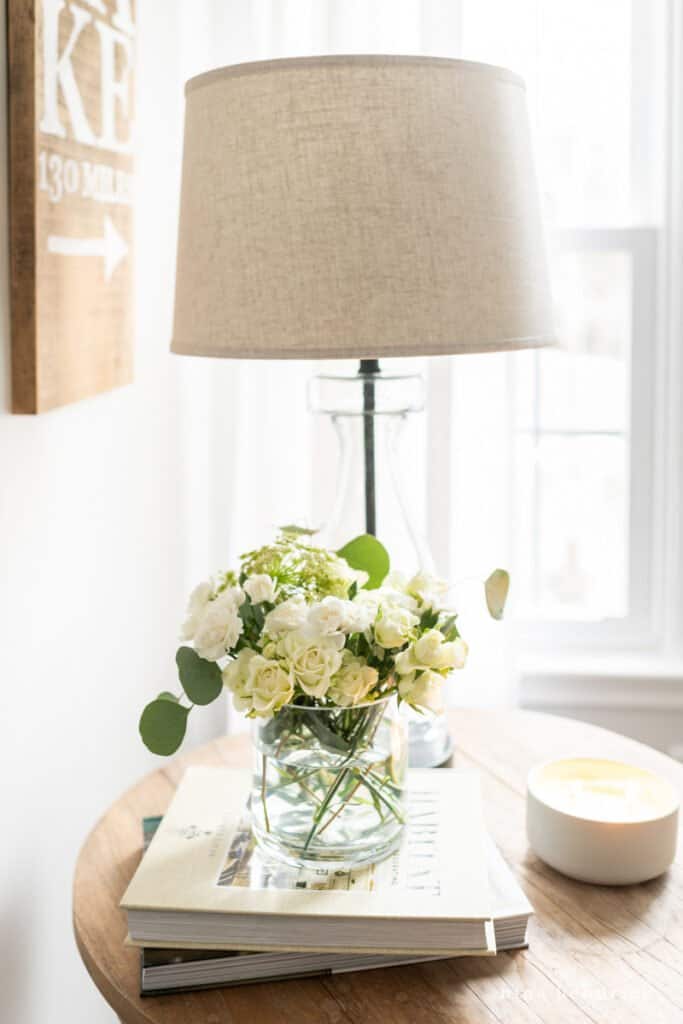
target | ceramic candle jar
x=602, y=821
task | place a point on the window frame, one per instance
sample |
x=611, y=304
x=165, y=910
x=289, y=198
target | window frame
x=638, y=628
x=652, y=626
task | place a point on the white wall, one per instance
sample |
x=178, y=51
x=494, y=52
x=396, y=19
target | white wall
x=93, y=574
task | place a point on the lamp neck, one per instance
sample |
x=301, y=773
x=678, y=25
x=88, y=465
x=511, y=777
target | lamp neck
x=367, y=369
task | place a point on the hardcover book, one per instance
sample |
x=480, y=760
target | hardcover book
x=203, y=885
x=181, y=970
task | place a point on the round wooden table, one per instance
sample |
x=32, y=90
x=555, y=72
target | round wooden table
x=595, y=954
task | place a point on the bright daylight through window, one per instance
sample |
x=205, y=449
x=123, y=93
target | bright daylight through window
x=582, y=415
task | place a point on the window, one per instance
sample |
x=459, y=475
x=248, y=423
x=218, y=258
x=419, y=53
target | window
x=563, y=464
x=560, y=443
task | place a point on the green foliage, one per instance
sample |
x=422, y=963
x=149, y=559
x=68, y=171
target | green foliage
x=449, y=628
x=162, y=725
x=366, y=554
x=166, y=695
x=428, y=619
x=496, y=589
x=201, y=679
x=253, y=617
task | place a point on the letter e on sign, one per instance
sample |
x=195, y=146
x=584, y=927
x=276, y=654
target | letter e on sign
x=71, y=116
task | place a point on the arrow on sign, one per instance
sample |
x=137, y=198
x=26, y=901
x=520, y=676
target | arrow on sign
x=111, y=246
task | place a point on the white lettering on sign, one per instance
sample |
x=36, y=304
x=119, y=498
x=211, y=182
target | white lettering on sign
x=101, y=182
x=58, y=73
x=114, y=91
x=60, y=79
x=110, y=246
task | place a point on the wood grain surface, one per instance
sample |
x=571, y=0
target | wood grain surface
x=596, y=954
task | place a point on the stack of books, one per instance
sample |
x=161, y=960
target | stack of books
x=209, y=909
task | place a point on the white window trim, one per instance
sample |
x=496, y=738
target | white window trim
x=639, y=628
x=654, y=679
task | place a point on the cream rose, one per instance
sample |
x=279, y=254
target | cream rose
x=394, y=626
x=289, y=615
x=423, y=691
x=199, y=599
x=459, y=651
x=235, y=679
x=313, y=662
x=260, y=588
x=431, y=651
x=219, y=629
x=268, y=685
x=353, y=682
x=429, y=590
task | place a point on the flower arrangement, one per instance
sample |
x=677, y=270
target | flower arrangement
x=312, y=644
x=301, y=625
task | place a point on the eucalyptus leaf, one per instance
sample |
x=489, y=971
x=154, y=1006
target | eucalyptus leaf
x=367, y=554
x=167, y=695
x=162, y=726
x=297, y=531
x=496, y=589
x=201, y=679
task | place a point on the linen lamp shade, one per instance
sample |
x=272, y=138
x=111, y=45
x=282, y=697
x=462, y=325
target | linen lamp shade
x=358, y=206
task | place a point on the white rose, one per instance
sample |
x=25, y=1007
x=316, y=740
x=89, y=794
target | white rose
x=291, y=614
x=327, y=616
x=335, y=615
x=394, y=626
x=313, y=662
x=429, y=590
x=353, y=682
x=366, y=604
x=395, y=598
x=199, y=598
x=268, y=685
x=231, y=595
x=423, y=691
x=260, y=588
x=219, y=629
x=360, y=617
x=235, y=678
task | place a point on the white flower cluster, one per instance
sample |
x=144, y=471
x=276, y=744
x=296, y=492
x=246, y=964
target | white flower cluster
x=274, y=643
x=213, y=621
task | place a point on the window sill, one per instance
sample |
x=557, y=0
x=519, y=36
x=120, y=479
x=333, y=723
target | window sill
x=602, y=682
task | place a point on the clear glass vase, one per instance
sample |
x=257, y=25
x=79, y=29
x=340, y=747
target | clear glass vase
x=397, y=400
x=328, y=783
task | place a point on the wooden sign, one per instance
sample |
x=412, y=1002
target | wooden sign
x=71, y=195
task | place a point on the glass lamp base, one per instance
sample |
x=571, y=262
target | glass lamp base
x=430, y=744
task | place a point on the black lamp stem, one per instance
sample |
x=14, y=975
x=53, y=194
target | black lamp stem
x=368, y=369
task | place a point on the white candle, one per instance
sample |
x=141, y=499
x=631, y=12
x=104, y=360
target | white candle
x=602, y=821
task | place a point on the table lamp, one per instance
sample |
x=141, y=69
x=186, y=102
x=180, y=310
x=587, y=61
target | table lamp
x=359, y=207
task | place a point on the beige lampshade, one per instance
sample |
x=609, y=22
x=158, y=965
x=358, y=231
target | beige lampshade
x=359, y=206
